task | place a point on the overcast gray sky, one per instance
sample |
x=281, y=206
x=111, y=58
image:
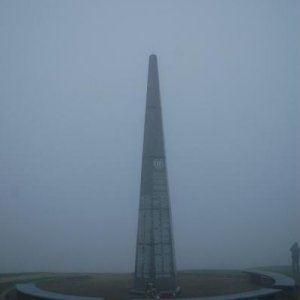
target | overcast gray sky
x=73, y=78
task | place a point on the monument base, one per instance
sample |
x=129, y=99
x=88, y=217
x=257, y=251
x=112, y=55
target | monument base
x=157, y=294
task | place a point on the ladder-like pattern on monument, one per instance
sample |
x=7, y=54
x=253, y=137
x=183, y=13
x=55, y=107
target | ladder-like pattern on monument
x=155, y=257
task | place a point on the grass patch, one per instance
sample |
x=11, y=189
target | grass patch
x=213, y=272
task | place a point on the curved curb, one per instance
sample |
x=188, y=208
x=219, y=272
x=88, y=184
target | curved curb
x=31, y=290
x=280, y=283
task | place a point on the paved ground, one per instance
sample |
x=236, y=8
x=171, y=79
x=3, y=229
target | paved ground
x=117, y=286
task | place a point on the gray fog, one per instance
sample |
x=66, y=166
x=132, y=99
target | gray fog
x=73, y=79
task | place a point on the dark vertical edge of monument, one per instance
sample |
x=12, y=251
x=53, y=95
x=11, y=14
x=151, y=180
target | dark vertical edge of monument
x=153, y=101
x=153, y=63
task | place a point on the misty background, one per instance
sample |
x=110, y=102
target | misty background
x=73, y=78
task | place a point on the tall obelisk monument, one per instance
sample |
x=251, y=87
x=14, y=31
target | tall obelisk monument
x=155, y=261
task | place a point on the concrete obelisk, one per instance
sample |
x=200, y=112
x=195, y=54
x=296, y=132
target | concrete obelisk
x=155, y=261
